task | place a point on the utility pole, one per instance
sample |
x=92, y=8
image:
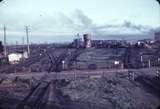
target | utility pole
x=23, y=44
x=149, y=63
x=28, y=48
x=5, y=43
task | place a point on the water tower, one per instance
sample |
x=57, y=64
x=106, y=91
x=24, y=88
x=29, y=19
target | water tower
x=87, y=40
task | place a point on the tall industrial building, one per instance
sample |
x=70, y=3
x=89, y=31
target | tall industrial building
x=87, y=40
x=78, y=43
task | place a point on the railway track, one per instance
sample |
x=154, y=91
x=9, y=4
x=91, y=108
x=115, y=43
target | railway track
x=150, y=84
x=26, y=63
x=56, y=61
x=74, y=56
x=33, y=59
x=36, y=95
x=40, y=96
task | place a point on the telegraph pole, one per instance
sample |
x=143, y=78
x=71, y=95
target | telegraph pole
x=28, y=48
x=5, y=43
x=23, y=41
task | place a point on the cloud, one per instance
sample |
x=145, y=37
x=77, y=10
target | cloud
x=83, y=23
x=47, y=25
x=83, y=19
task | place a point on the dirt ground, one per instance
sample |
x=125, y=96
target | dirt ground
x=95, y=92
x=111, y=92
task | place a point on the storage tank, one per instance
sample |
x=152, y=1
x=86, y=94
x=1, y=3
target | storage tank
x=87, y=40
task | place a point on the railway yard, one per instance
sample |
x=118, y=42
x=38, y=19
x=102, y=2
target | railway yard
x=69, y=78
x=79, y=54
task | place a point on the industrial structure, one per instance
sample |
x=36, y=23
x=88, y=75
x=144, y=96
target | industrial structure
x=157, y=36
x=82, y=42
x=46, y=76
x=87, y=40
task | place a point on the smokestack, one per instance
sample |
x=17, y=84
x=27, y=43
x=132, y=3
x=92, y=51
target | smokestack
x=5, y=43
x=28, y=48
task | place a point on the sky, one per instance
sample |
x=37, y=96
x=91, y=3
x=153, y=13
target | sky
x=61, y=20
